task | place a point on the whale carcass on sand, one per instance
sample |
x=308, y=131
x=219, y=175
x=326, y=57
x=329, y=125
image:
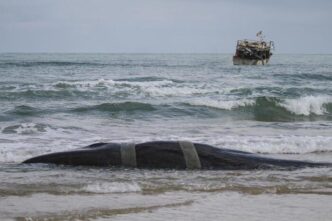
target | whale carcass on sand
x=168, y=155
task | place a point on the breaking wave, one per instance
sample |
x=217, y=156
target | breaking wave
x=276, y=109
x=90, y=89
x=318, y=105
x=269, y=109
x=137, y=82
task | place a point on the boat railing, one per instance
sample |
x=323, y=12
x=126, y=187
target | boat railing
x=259, y=45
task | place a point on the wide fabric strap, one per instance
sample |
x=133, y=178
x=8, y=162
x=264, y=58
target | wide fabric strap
x=190, y=155
x=128, y=155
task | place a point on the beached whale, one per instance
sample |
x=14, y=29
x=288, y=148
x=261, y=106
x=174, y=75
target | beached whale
x=168, y=155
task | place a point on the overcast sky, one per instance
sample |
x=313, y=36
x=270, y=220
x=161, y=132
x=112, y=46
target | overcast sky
x=163, y=26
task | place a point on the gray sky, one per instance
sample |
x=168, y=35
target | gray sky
x=166, y=26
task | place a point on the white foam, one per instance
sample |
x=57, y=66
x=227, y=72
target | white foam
x=269, y=144
x=165, y=88
x=111, y=83
x=276, y=144
x=146, y=84
x=83, y=85
x=150, y=88
x=307, y=105
x=27, y=128
x=220, y=104
x=27, y=140
x=174, y=91
x=112, y=187
x=302, y=106
x=159, y=88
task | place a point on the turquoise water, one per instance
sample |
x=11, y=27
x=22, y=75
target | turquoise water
x=55, y=102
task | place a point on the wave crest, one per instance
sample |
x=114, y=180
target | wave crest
x=275, y=109
x=117, y=107
x=308, y=105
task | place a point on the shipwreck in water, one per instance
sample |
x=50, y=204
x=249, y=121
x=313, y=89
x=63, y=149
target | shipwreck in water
x=253, y=52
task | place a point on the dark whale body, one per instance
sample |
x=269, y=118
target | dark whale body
x=169, y=155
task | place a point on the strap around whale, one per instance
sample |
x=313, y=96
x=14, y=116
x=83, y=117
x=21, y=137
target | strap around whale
x=190, y=155
x=128, y=154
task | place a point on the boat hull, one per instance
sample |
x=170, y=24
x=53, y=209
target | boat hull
x=244, y=61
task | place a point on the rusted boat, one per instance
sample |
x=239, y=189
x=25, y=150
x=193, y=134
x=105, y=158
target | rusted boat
x=253, y=52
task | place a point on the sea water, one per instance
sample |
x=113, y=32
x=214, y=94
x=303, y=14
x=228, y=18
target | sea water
x=58, y=102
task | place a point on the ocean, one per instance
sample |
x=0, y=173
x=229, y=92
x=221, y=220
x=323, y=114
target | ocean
x=58, y=102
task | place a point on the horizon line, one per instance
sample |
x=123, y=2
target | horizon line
x=283, y=53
